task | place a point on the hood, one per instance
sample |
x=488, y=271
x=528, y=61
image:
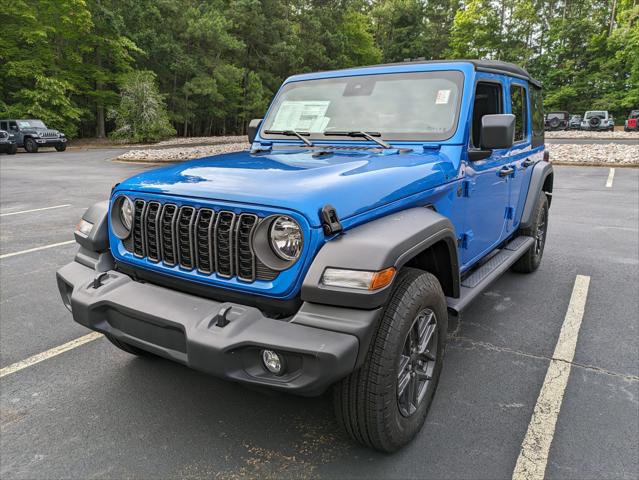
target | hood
x=303, y=181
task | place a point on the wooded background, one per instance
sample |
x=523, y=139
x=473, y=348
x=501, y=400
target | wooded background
x=218, y=62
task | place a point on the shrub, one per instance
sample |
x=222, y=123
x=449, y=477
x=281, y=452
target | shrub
x=141, y=115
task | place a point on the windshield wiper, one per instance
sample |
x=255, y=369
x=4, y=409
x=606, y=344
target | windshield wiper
x=291, y=133
x=367, y=135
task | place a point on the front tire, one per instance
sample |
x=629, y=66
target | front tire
x=61, y=148
x=13, y=149
x=30, y=145
x=530, y=261
x=384, y=404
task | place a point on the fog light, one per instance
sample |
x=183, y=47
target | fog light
x=273, y=362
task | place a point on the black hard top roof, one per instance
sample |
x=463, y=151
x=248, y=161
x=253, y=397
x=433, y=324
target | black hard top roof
x=491, y=66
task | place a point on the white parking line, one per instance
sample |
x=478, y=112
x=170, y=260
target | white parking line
x=44, y=247
x=533, y=457
x=33, y=210
x=611, y=177
x=40, y=357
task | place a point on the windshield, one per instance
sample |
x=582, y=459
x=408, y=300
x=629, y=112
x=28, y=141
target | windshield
x=595, y=114
x=31, y=124
x=397, y=106
x=634, y=114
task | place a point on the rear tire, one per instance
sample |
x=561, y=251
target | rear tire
x=30, y=145
x=384, y=403
x=530, y=261
x=128, y=348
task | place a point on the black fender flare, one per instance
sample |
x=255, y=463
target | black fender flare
x=390, y=241
x=98, y=239
x=541, y=180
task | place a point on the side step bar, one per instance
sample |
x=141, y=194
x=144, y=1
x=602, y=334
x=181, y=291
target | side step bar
x=480, y=279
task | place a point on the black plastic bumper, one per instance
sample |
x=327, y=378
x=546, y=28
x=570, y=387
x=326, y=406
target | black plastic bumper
x=50, y=142
x=321, y=344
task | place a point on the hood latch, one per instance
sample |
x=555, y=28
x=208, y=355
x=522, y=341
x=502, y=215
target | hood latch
x=330, y=220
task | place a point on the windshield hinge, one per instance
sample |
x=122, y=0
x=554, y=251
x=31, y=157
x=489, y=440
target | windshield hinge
x=430, y=146
x=330, y=220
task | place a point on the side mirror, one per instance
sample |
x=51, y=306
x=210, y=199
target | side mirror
x=253, y=127
x=497, y=131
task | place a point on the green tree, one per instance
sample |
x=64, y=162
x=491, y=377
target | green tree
x=141, y=115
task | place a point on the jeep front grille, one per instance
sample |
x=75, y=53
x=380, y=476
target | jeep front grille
x=197, y=239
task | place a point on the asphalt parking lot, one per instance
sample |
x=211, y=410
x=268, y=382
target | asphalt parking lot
x=96, y=412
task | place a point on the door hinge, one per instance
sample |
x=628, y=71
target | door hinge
x=330, y=220
x=510, y=213
x=467, y=188
x=465, y=239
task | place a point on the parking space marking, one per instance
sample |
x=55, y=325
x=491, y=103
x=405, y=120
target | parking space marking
x=40, y=357
x=611, y=177
x=44, y=247
x=33, y=210
x=533, y=457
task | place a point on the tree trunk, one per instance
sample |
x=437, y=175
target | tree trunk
x=100, y=128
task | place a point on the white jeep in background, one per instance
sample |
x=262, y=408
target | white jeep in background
x=598, y=120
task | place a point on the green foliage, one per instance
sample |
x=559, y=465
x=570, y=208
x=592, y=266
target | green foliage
x=141, y=115
x=218, y=63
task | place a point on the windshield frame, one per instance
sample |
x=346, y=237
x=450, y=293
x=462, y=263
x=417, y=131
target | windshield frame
x=454, y=75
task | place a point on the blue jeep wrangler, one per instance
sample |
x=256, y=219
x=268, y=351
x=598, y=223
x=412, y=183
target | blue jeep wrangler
x=374, y=202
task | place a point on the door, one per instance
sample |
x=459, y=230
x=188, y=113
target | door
x=485, y=183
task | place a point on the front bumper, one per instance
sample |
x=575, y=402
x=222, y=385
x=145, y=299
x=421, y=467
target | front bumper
x=321, y=344
x=50, y=142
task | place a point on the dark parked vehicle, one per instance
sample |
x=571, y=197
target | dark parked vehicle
x=7, y=143
x=557, y=121
x=632, y=123
x=598, y=120
x=33, y=134
x=373, y=202
x=575, y=122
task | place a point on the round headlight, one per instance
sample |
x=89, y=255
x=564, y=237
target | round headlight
x=286, y=238
x=122, y=217
x=126, y=213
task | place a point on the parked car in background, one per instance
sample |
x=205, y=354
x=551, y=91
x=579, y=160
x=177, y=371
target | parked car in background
x=598, y=120
x=373, y=201
x=7, y=143
x=575, y=122
x=33, y=134
x=632, y=122
x=557, y=121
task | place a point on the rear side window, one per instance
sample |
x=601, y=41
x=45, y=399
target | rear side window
x=3, y=126
x=537, y=115
x=520, y=110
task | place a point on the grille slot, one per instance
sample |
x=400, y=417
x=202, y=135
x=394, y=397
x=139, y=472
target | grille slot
x=203, y=241
x=168, y=221
x=151, y=224
x=198, y=239
x=245, y=256
x=224, y=244
x=186, y=218
x=138, y=228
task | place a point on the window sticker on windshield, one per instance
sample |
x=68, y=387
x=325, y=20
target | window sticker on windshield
x=301, y=115
x=442, y=97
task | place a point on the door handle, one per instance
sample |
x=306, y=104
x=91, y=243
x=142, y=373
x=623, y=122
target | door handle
x=527, y=163
x=505, y=171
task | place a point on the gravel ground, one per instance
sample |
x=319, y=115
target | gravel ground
x=594, y=154
x=593, y=135
x=181, y=153
x=202, y=140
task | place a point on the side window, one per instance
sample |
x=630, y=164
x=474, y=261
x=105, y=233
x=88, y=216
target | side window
x=13, y=126
x=3, y=126
x=520, y=110
x=537, y=115
x=488, y=101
